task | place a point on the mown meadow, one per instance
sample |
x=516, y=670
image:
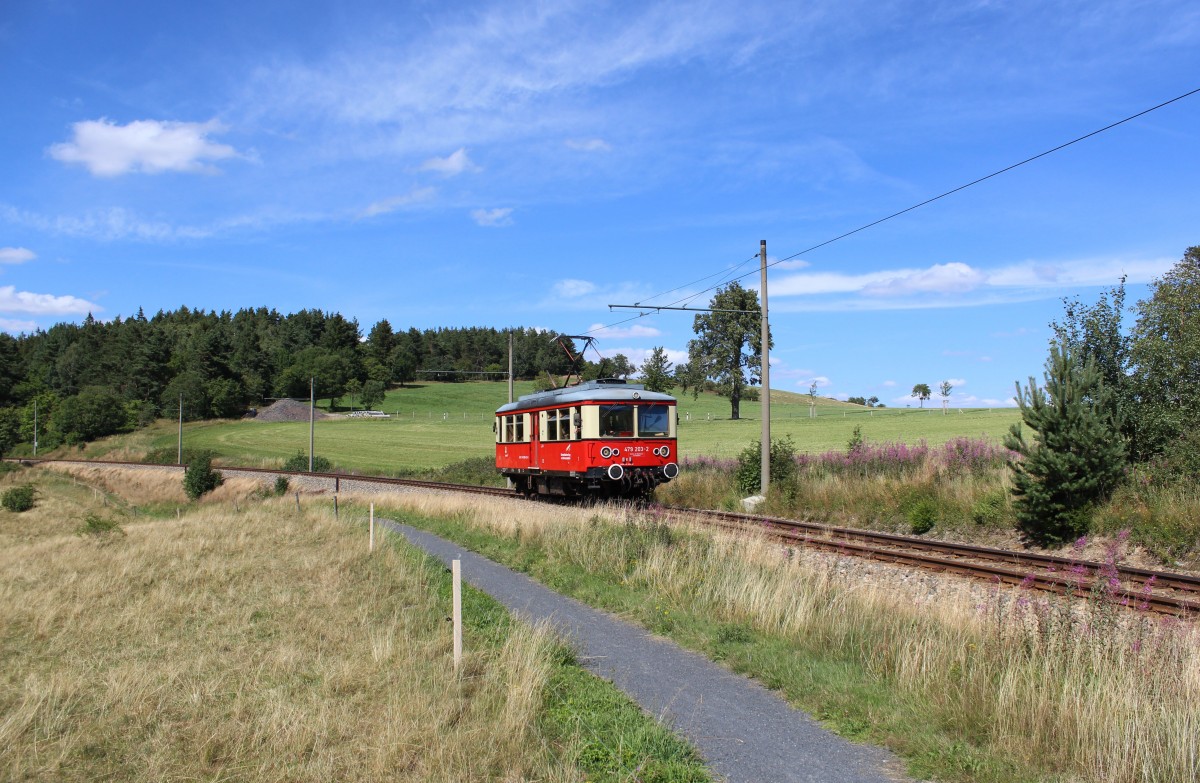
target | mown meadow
x=433, y=425
x=915, y=470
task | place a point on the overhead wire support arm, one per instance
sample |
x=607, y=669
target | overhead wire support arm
x=688, y=309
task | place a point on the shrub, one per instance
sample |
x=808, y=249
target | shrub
x=98, y=528
x=18, y=499
x=991, y=509
x=200, y=478
x=281, y=485
x=298, y=463
x=783, y=464
x=857, y=441
x=922, y=515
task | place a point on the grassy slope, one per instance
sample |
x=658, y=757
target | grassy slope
x=438, y=424
x=198, y=648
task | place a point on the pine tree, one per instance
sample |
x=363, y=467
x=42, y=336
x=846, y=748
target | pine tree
x=1077, y=455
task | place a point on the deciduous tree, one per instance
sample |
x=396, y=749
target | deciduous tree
x=922, y=392
x=728, y=344
x=1165, y=355
x=656, y=371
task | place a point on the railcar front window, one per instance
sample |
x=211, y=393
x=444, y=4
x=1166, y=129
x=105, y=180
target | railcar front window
x=616, y=421
x=654, y=421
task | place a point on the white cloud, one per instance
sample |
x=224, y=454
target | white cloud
x=952, y=381
x=588, y=145
x=493, y=218
x=16, y=255
x=14, y=301
x=148, y=146
x=820, y=380
x=452, y=165
x=887, y=384
x=394, y=203
x=17, y=327
x=954, y=278
x=617, y=332
x=493, y=75
x=956, y=284
x=1081, y=272
x=795, y=263
x=573, y=289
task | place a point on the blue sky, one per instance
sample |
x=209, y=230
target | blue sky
x=496, y=164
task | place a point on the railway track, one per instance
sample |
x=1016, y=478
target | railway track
x=1162, y=592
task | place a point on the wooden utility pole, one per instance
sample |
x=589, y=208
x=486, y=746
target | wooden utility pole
x=179, y=450
x=510, y=365
x=312, y=407
x=766, y=373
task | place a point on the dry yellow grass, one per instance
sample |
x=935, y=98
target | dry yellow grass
x=264, y=645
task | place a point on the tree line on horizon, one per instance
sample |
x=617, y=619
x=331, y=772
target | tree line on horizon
x=97, y=377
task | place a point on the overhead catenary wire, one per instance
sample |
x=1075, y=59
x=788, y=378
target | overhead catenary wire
x=906, y=210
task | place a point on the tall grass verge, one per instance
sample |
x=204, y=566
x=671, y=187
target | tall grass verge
x=1015, y=688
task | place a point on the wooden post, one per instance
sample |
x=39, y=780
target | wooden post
x=335, y=507
x=371, y=548
x=456, y=572
x=297, y=501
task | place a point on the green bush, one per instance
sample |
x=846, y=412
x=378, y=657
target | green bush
x=991, y=510
x=200, y=478
x=281, y=486
x=98, y=528
x=18, y=499
x=783, y=464
x=922, y=516
x=298, y=463
x=921, y=509
x=857, y=441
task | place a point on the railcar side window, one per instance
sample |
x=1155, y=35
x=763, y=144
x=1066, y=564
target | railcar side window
x=511, y=429
x=653, y=421
x=616, y=421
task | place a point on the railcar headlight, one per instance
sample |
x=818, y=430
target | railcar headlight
x=606, y=452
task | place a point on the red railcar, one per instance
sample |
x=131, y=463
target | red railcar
x=604, y=438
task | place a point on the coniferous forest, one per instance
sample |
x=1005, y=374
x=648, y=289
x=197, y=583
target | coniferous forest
x=97, y=378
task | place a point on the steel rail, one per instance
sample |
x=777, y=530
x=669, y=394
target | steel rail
x=1059, y=575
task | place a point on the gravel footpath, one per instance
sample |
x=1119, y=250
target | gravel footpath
x=746, y=733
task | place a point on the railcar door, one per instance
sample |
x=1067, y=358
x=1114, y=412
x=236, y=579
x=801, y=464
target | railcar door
x=535, y=440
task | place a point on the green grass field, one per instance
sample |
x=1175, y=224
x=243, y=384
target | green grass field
x=433, y=425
